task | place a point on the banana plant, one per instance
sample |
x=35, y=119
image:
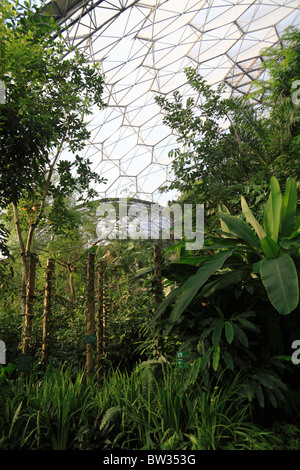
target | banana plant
x=246, y=248
x=279, y=243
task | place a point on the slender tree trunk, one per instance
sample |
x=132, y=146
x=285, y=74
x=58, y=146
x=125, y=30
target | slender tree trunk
x=158, y=288
x=24, y=258
x=24, y=284
x=100, y=324
x=90, y=327
x=26, y=343
x=47, y=312
x=72, y=292
x=106, y=308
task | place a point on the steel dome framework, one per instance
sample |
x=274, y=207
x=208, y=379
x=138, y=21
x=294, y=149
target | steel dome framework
x=143, y=47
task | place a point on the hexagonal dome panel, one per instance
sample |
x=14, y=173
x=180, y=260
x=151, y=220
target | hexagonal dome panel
x=143, y=47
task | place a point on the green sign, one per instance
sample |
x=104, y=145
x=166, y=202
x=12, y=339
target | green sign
x=90, y=339
x=181, y=360
x=24, y=362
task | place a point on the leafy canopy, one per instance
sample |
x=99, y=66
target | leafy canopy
x=49, y=92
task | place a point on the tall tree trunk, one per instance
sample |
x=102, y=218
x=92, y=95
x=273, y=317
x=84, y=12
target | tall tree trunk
x=23, y=256
x=90, y=326
x=158, y=288
x=100, y=324
x=47, y=312
x=26, y=340
x=72, y=292
x=24, y=284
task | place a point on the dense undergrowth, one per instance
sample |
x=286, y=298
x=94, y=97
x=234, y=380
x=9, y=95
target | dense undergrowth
x=150, y=408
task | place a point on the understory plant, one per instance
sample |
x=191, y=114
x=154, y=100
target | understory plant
x=150, y=408
x=238, y=309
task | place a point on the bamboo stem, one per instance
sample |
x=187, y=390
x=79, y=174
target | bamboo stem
x=100, y=325
x=27, y=329
x=158, y=288
x=47, y=313
x=90, y=326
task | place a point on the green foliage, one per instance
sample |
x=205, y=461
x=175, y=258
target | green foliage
x=47, y=97
x=6, y=372
x=147, y=409
x=249, y=273
x=230, y=146
x=282, y=62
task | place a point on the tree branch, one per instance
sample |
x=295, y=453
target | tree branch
x=48, y=181
x=18, y=229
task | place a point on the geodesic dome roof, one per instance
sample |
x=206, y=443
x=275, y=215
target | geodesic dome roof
x=143, y=47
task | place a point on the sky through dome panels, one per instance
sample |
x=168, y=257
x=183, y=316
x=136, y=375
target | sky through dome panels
x=143, y=47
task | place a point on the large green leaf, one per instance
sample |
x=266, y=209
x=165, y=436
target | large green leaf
x=164, y=304
x=240, y=229
x=251, y=219
x=222, y=208
x=217, y=333
x=194, y=283
x=288, y=208
x=224, y=280
x=291, y=242
x=273, y=211
x=216, y=357
x=279, y=276
x=270, y=248
x=229, y=332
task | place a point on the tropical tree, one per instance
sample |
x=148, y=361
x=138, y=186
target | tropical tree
x=231, y=146
x=48, y=98
x=50, y=90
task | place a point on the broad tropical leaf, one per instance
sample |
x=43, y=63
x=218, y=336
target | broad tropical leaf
x=175, y=292
x=225, y=280
x=216, y=357
x=279, y=276
x=224, y=209
x=288, y=208
x=229, y=332
x=216, y=336
x=270, y=248
x=273, y=211
x=194, y=283
x=251, y=219
x=240, y=229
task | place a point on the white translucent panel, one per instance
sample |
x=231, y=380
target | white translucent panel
x=162, y=151
x=138, y=116
x=153, y=175
x=292, y=19
x=162, y=30
x=113, y=122
x=223, y=15
x=176, y=6
x=134, y=163
x=123, y=187
x=148, y=3
x=169, y=82
x=162, y=15
x=104, y=14
x=258, y=15
x=132, y=95
x=152, y=135
x=143, y=100
x=118, y=148
x=168, y=56
x=107, y=169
